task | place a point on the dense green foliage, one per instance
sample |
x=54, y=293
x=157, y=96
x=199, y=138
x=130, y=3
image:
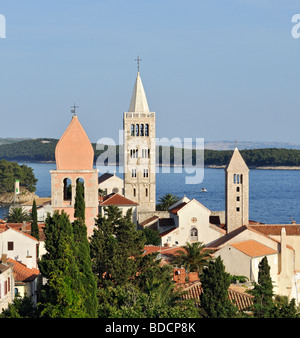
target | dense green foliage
x=166, y=201
x=265, y=305
x=214, y=298
x=65, y=293
x=193, y=257
x=38, y=150
x=18, y=215
x=11, y=171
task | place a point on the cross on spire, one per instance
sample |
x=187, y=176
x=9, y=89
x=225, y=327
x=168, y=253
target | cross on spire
x=73, y=111
x=138, y=63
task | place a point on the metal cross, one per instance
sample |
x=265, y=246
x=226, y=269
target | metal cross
x=138, y=63
x=73, y=111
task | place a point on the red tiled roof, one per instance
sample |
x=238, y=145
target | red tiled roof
x=242, y=300
x=149, y=220
x=253, y=248
x=22, y=273
x=116, y=199
x=178, y=207
x=275, y=229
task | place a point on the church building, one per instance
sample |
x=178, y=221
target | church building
x=74, y=157
x=139, y=150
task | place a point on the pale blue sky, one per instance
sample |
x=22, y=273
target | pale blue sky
x=221, y=70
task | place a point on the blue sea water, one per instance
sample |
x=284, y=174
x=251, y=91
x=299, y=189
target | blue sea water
x=274, y=196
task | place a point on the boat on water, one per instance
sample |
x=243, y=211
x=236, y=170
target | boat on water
x=203, y=190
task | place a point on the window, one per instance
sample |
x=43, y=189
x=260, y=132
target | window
x=134, y=192
x=67, y=189
x=146, y=192
x=133, y=173
x=234, y=178
x=194, y=234
x=241, y=178
x=146, y=172
x=10, y=246
x=137, y=130
x=237, y=209
x=142, y=130
x=132, y=130
x=238, y=198
x=237, y=178
x=237, y=189
x=146, y=129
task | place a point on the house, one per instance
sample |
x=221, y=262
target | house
x=27, y=280
x=6, y=282
x=123, y=203
x=242, y=249
x=110, y=183
x=43, y=206
x=19, y=245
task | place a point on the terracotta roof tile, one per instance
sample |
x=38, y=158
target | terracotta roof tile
x=177, y=208
x=116, y=199
x=22, y=273
x=253, y=248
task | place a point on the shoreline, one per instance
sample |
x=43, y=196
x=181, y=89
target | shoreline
x=210, y=166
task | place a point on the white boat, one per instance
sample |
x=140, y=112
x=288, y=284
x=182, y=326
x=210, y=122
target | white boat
x=203, y=189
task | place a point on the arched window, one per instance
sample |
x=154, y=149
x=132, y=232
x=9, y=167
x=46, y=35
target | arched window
x=67, y=190
x=241, y=178
x=132, y=130
x=234, y=178
x=194, y=234
x=134, y=192
x=147, y=129
x=238, y=178
x=142, y=130
x=146, y=192
x=137, y=130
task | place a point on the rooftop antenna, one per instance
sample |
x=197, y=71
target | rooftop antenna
x=73, y=111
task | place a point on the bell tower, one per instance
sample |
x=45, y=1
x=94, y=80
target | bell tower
x=139, y=150
x=74, y=157
x=237, y=192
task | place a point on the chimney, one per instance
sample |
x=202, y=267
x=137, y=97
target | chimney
x=4, y=259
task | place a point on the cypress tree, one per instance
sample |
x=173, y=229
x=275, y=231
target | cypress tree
x=79, y=207
x=214, y=297
x=263, y=290
x=82, y=254
x=34, y=224
x=62, y=296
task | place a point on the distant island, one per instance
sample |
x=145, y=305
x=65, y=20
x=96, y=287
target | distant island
x=43, y=150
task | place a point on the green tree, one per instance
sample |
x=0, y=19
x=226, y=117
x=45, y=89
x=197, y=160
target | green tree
x=21, y=307
x=63, y=296
x=152, y=236
x=18, y=215
x=166, y=201
x=82, y=255
x=214, y=297
x=194, y=257
x=34, y=224
x=116, y=244
x=263, y=290
x=79, y=207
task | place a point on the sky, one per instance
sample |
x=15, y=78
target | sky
x=218, y=70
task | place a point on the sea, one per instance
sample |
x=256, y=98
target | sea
x=274, y=194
